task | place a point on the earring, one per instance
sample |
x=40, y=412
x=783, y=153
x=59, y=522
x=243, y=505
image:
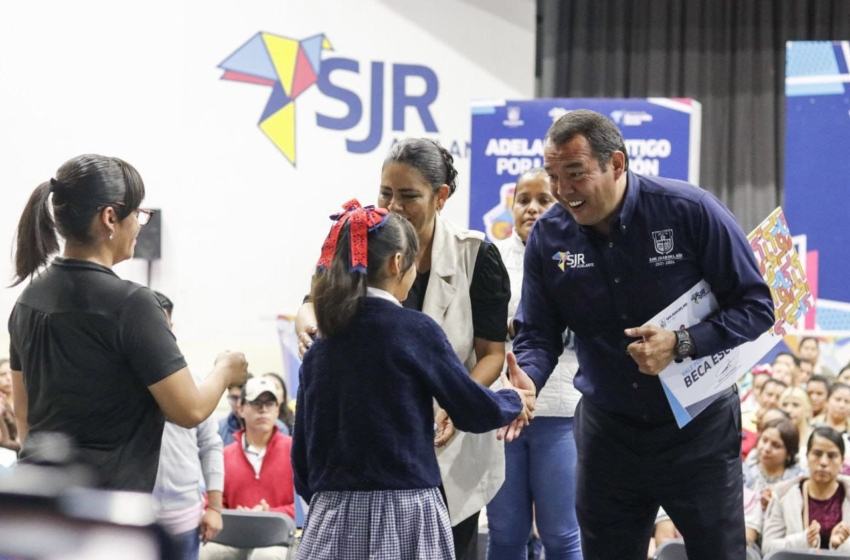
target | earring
x=111, y=235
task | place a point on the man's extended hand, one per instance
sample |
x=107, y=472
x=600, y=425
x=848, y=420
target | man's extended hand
x=520, y=380
x=654, y=350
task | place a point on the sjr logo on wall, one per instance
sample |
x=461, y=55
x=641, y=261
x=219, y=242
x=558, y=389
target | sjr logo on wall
x=290, y=66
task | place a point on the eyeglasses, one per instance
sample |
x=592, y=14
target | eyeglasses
x=260, y=405
x=233, y=398
x=144, y=216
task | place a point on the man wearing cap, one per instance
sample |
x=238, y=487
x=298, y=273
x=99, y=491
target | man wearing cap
x=257, y=467
x=232, y=423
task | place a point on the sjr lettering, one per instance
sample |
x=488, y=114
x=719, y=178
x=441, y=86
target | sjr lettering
x=575, y=260
x=401, y=100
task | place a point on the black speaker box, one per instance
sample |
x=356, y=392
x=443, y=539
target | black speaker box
x=149, y=240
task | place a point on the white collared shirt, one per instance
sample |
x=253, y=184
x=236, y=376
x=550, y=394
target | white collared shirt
x=383, y=294
x=254, y=455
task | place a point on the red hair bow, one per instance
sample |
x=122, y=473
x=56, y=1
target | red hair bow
x=363, y=220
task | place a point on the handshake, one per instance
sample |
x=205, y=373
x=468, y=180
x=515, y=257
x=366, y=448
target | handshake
x=520, y=382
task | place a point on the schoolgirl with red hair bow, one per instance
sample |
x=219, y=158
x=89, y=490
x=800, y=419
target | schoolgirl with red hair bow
x=364, y=428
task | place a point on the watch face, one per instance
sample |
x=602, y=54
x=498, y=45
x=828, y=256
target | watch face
x=683, y=346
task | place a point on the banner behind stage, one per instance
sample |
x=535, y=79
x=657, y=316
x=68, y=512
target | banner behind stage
x=662, y=139
x=817, y=172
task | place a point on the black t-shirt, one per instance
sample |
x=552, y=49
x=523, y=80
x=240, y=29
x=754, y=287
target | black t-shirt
x=89, y=345
x=490, y=292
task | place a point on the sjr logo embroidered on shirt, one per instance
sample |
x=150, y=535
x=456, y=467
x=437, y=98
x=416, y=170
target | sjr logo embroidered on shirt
x=572, y=260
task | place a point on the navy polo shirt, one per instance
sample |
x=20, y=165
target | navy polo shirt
x=668, y=236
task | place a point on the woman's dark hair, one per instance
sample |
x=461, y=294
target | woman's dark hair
x=83, y=186
x=794, y=358
x=827, y=433
x=837, y=386
x=285, y=415
x=790, y=437
x=603, y=135
x=433, y=161
x=820, y=379
x=337, y=292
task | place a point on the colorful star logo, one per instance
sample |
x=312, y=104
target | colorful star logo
x=289, y=67
x=561, y=257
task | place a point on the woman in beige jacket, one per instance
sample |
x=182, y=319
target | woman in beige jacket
x=812, y=512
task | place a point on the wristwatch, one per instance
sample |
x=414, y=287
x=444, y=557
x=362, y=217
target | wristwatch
x=684, y=345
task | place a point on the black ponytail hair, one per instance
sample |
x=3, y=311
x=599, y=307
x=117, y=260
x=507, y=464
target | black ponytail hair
x=83, y=186
x=338, y=292
x=433, y=161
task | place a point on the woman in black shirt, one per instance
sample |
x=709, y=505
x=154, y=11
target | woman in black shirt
x=92, y=355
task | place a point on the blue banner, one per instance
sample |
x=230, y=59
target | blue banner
x=661, y=135
x=817, y=169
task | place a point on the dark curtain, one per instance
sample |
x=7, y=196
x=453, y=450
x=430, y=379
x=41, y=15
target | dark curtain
x=727, y=54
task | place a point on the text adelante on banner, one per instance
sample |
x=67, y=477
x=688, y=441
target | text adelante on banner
x=662, y=138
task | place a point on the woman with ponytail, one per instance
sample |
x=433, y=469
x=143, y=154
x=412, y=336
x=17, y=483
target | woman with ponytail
x=363, y=445
x=92, y=355
x=463, y=285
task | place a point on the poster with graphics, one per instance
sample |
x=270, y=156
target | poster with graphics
x=662, y=138
x=692, y=385
x=817, y=174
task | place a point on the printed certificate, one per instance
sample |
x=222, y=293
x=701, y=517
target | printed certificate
x=694, y=384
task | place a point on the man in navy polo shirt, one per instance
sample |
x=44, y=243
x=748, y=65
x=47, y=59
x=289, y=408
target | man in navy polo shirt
x=618, y=249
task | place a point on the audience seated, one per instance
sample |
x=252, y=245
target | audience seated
x=836, y=415
x=257, y=467
x=795, y=402
x=767, y=398
x=751, y=457
x=232, y=423
x=805, y=371
x=809, y=350
x=818, y=391
x=777, y=459
x=786, y=368
x=812, y=512
x=749, y=397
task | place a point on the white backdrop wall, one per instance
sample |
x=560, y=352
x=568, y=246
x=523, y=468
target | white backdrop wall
x=243, y=226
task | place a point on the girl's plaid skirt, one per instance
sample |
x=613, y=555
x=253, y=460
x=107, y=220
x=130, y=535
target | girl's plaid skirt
x=378, y=525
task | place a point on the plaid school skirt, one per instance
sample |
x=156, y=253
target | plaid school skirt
x=378, y=525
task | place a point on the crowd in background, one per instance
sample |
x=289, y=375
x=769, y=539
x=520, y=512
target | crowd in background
x=788, y=406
